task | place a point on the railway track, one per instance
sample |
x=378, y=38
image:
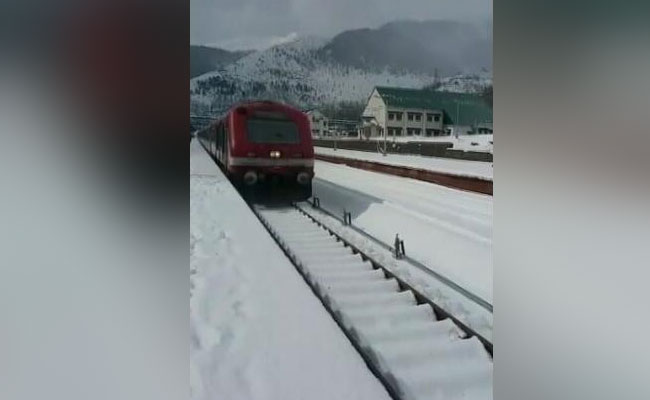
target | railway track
x=416, y=349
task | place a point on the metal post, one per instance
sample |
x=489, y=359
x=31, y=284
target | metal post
x=347, y=218
x=399, y=247
x=396, y=246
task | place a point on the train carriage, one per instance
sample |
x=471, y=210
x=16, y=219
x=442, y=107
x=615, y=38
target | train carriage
x=264, y=144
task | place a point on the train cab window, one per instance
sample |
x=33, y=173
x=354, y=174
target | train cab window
x=267, y=130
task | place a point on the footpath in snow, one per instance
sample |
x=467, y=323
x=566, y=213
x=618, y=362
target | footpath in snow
x=476, y=169
x=257, y=330
x=449, y=230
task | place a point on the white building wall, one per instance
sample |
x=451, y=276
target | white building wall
x=319, y=123
x=376, y=108
x=395, y=123
x=422, y=124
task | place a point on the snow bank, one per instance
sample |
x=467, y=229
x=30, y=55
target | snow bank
x=257, y=330
x=476, y=169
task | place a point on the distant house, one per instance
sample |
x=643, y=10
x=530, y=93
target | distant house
x=484, y=128
x=344, y=127
x=424, y=113
x=319, y=123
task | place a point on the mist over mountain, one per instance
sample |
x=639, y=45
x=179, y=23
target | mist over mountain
x=205, y=59
x=318, y=72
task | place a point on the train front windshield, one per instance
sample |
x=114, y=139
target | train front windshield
x=267, y=130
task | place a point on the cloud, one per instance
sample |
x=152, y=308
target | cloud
x=255, y=24
x=253, y=43
x=275, y=40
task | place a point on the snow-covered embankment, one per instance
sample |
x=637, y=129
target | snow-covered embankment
x=257, y=330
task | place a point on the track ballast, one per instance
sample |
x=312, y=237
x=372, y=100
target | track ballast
x=413, y=347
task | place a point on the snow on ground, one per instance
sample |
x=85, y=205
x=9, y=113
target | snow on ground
x=447, y=229
x=477, y=169
x=482, y=143
x=257, y=330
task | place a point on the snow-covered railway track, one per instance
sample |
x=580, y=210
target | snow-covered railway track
x=414, y=347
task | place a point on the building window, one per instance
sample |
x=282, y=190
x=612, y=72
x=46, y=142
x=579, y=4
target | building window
x=391, y=116
x=433, y=117
x=415, y=116
x=429, y=132
x=398, y=116
x=417, y=131
x=394, y=131
x=409, y=131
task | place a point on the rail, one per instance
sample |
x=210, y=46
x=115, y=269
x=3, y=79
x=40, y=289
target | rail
x=427, y=270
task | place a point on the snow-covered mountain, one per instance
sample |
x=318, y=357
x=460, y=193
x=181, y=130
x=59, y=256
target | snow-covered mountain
x=448, y=47
x=205, y=59
x=303, y=73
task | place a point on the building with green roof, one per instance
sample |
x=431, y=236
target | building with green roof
x=424, y=112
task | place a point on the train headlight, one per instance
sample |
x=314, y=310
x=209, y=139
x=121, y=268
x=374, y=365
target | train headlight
x=303, y=178
x=275, y=154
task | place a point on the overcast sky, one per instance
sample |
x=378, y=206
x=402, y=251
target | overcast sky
x=256, y=24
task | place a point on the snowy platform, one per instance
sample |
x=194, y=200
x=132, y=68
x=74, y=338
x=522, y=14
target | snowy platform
x=258, y=332
x=474, y=169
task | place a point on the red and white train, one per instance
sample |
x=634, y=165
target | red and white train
x=263, y=143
